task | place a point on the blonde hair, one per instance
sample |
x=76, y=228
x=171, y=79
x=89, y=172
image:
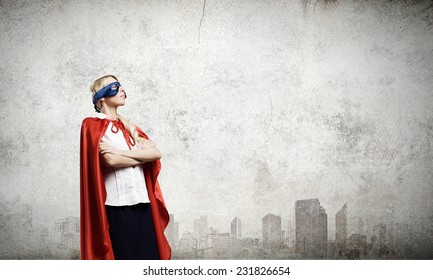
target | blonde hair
x=99, y=84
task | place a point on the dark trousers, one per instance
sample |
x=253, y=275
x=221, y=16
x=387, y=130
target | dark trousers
x=132, y=232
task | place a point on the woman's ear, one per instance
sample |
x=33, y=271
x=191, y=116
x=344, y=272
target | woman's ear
x=99, y=103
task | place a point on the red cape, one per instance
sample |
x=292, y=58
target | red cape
x=95, y=240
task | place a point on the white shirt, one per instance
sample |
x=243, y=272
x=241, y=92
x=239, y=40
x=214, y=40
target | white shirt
x=124, y=185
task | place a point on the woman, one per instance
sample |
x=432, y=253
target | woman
x=122, y=210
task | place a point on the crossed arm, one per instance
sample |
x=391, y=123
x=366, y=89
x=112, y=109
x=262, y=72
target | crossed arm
x=125, y=158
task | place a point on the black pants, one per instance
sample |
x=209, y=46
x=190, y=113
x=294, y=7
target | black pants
x=131, y=232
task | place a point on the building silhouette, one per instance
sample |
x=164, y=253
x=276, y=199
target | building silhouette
x=224, y=245
x=271, y=232
x=236, y=228
x=361, y=227
x=379, y=246
x=188, y=243
x=172, y=231
x=341, y=230
x=176, y=233
x=311, y=229
x=200, y=226
x=69, y=230
x=356, y=246
x=290, y=235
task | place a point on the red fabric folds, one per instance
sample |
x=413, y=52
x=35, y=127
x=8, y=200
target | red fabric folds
x=95, y=240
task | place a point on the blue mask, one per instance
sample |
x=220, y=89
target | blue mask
x=107, y=91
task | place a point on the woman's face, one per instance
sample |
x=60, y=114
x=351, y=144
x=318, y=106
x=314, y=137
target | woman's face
x=119, y=98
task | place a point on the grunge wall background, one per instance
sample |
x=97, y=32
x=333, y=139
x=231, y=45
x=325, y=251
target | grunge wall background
x=253, y=104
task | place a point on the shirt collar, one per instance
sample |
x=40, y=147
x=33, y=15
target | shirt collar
x=101, y=116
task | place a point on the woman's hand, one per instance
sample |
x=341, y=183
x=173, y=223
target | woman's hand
x=105, y=148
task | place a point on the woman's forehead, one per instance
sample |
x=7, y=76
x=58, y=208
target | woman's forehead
x=110, y=80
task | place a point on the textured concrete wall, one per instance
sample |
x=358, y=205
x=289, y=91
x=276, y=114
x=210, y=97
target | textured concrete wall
x=254, y=105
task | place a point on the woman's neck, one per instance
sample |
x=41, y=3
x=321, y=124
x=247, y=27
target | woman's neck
x=110, y=112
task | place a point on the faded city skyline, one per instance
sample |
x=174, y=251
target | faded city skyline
x=381, y=240
x=307, y=239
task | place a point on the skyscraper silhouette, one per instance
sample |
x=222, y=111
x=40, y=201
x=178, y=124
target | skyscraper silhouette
x=236, y=228
x=271, y=230
x=341, y=229
x=311, y=229
x=200, y=226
